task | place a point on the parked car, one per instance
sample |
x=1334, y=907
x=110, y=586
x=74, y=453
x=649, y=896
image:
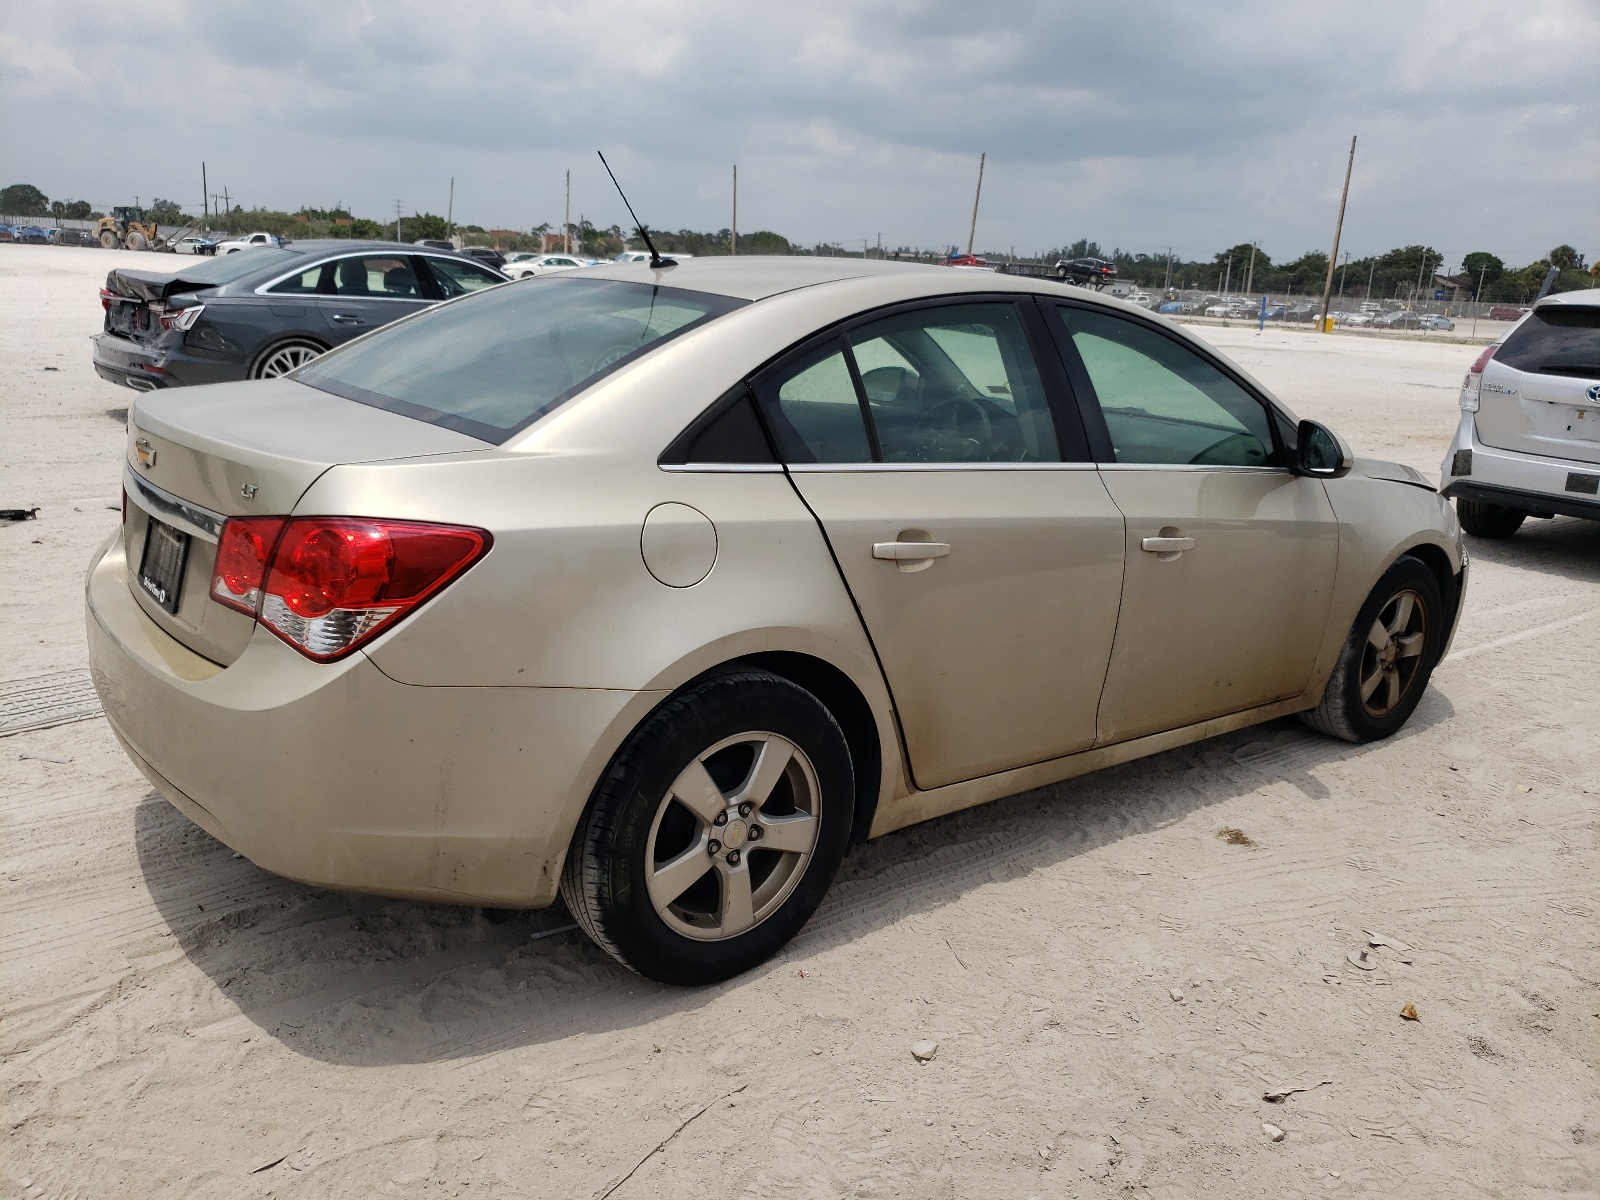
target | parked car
x=603, y=583
x=1528, y=443
x=973, y=262
x=33, y=235
x=1173, y=307
x=1302, y=313
x=1405, y=319
x=484, y=254
x=196, y=243
x=638, y=256
x=1506, y=312
x=521, y=266
x=1436, y=321
x=436, y=244
x=76, y=237
x=234, y=245
x=8, y=233
x=264, y=311
x=1356, y=320
x=1086, y=272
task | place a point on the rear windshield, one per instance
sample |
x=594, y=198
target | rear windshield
x=228, y=267
x=1556, y=340
x=491, y=364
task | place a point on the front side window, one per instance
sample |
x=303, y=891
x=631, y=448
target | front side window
x=812, y=407
x=955, y=383
x=457, y=278
x=495, y=362
x=388, y=275
x=1556, y=340
x=1162, y=402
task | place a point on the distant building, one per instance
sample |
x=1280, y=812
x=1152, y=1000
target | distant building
x=1455, y=287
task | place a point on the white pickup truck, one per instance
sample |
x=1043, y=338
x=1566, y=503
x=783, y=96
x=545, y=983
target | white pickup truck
x=245, y=243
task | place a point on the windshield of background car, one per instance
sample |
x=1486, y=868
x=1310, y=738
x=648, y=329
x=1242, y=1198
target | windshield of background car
x=237, y=265
x=1556, y=340
x=491, y=364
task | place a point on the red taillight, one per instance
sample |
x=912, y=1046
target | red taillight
x=180, y=318
x=1483, y=360
x=108, y=298
x=243, y=551
x=332, y=583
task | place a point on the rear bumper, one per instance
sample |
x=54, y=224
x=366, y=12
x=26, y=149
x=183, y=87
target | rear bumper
x=336, y=775
x=1543, y=486
x=145, y=367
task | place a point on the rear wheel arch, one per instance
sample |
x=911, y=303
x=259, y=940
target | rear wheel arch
x=841, y=697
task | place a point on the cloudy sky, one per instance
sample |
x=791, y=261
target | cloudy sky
x=1139, y=124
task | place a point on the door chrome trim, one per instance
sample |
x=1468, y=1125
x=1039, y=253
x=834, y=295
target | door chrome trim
x=157, y=502
x=891, y=468
x=1189, y=467
x=725, y=468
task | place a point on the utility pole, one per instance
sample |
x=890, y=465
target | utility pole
x=1344, y=267
x=205, y=194
x=450, y=211
x=1476, y=296
x=227, y=205
x=733, y=230
x=1371, y=267
x=972, y=230
x=1167, y=286
x=1227, y=277
x=566, y=221
x=397, y=220
x=1421, y=271
x=1250, y=275
x=1338, y=229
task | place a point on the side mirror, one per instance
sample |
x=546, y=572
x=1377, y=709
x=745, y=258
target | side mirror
x=1320, y=452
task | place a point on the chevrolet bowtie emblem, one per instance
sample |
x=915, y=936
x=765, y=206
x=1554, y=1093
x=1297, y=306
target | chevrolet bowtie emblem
x=145, y=453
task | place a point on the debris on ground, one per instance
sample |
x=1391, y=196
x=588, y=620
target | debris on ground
x=46, y=758
x=1409, y=1012
x=924, y=1051
x=19, y=514
x=1273, y=1132
x=1177, y=995
x=1235, y=837
x=1362, y=959
x=1282, y=1094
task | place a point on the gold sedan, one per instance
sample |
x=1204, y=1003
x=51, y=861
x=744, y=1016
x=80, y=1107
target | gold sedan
x=656, y=588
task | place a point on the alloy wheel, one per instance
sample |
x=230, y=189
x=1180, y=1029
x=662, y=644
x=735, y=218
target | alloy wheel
x=285, y=359
x=1392, y=656
x=733, y=836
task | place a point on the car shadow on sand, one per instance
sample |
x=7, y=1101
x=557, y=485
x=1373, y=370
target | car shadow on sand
x=362, y=980
x=1561, y=546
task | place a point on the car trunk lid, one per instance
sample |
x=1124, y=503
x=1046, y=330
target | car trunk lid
x=198, y=456
x=135, y=300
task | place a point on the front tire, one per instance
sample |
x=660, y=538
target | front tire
x=1388, y=658
x=285, y=357
x=1485, y=520
x=715, y=831
x=108, y=240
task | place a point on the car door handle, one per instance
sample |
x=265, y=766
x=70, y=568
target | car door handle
x=347, y=319
x=1167, y=545
x=909, y=551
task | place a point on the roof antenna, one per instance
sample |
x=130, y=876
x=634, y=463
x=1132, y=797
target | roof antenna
x=656, y=261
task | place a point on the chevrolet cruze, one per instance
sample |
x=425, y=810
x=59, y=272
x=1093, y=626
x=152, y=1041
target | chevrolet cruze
x=655, y=588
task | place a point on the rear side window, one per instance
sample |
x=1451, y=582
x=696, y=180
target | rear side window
x=389, y=276
x=457, y=278
x=1556, y=340
x=228, y=267
x=493, y=363
x=813, y=409
x=307, y=283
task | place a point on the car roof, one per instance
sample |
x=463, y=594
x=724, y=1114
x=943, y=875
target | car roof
x=755, y=277
x=360, y=246
x=1587, y=298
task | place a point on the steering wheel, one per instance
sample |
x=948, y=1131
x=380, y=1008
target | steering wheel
x=948, y=416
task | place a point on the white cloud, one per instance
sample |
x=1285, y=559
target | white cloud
x=1139, y=125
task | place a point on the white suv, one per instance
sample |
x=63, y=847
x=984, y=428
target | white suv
x=1529, y=439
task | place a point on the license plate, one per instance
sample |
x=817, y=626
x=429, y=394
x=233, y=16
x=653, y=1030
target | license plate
x=166, y=550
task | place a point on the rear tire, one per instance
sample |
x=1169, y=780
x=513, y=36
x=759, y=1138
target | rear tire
x=137, y=241
x=715, y=831
x=1388, y=658
x=1485, y=520
x=285, y=357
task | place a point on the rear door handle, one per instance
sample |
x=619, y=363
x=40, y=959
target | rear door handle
x=1167, y=545
x=909, y=551
x=347, y=319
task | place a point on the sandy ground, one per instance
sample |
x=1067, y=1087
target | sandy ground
x=1112, y=985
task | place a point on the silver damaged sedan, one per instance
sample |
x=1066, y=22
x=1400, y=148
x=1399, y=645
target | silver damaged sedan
x=656, y=588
